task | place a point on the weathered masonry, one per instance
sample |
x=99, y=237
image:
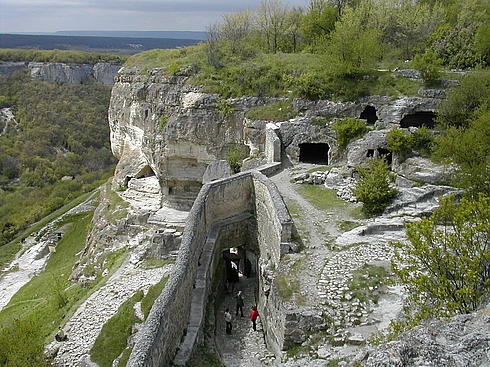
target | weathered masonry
x=249, y=206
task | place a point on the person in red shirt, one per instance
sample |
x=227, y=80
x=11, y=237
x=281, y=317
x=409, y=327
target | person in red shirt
x=254, y=313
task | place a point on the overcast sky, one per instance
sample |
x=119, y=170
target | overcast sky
x=118, y=15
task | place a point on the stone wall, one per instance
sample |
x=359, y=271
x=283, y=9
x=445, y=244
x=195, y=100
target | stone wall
x=175, y=321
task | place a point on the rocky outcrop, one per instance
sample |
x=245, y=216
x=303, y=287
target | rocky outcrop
x=163, y=126
x=460, y=341
x=55, y=72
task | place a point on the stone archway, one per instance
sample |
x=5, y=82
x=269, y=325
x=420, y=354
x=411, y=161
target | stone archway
x=419, y=119
x=316, y=153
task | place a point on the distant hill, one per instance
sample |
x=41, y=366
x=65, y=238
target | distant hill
x=92, y=43
x=193, y=35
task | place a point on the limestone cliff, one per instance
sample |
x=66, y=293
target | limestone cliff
x=57, y=72
x=163, y=126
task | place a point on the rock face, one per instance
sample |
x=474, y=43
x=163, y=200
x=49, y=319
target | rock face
x=461, y=341
x=73, y=73
x=162, y=126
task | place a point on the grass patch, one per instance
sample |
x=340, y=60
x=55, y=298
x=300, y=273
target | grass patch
x=278, y=111
x=112, y=340
x=321, y=197
x=116, y=207
x=32, y=316
x=365, y=281
x=347, y=225
x=169, y=60
x=357, y=212
x=297, y=351
x=153, y=292
x=148, y=264
x=288, y=281
x=8, y=252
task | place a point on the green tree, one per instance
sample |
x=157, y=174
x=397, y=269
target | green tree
x=429, y=66
x=271, y=18
x=469, y=148
x=445, y=264
x=466, y=100
x=318, y=22
x=373, y=188
x=352, y=49
x=398, y=140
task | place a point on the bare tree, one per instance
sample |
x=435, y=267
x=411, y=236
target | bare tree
x=271, y=19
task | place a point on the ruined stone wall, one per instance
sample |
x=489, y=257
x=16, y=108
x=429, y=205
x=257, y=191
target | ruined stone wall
x=246, y=195
x=274, y=226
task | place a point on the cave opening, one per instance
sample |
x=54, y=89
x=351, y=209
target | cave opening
x=146, y=171
x=419, y=119
x=316, y=153
x=369, y=114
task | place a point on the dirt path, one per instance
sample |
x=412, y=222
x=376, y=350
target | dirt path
x=316, y=228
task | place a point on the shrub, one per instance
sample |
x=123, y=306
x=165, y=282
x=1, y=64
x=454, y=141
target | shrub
x=429, y=65
x=373, y=189
x=236, y=155
x=445, y=263
x=398, y=141
x=349, y=129
x=163, y=122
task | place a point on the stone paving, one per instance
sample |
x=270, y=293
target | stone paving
x=85, y=325
x=244, y=347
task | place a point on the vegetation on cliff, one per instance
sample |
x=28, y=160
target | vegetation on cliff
x=330, y=49
x=66, y=56
x=62, y=130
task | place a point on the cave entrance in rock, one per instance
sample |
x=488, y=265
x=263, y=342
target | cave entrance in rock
x=419, y=119
x=380, y=153
x=316, y=153
x=369, y=114
x=146, y=171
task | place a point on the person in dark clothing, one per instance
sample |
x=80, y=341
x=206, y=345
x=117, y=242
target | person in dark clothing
x=228, y=321
x=60, y=335
x=239, y=303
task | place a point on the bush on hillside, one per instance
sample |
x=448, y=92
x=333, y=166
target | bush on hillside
x=445, y=264
x=349, y=129
x=373, y=188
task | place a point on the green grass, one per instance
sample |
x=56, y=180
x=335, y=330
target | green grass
x=276, y=75
x=112, y=340
x=347, y=225
x=321, y=197
x=278, y=111
x=364, y=278
x=155, y=263
x=8, y=252
x=170, y=60
x=153, y=292
x=35, y=311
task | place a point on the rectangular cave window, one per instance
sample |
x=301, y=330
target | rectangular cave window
x=316, y=153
